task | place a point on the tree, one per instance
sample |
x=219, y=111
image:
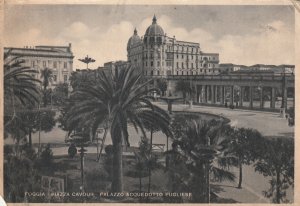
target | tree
x=30, y=121
x=46, y=75
x=200, y=142
x=116, y=100
x=20, y=86
x=162, y=85
x=277, y=162
x=184, y=87
x=20, y=176
x=60, y=94
x=243, y=144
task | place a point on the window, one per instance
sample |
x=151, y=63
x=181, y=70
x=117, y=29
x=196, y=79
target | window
x=44, y=64
x=65, y=78
x=151, y=55
x=200, y=70
x=54, y=78
x=158, y=63
x=177, y=56
x=182, y=56
x=152, y=73
x=65, y=65
x=192, y=65
x=177, y=72
x=146, y=64
x=54, y=64
x=181, y=72
x=182, y=65
x=192, y=57
x=177, y=64
x=151, y=64
x=157, y=72
x=159, y=40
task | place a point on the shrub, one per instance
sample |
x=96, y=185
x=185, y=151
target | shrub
x=47, y=156
x=72, y=151
x=96, y=180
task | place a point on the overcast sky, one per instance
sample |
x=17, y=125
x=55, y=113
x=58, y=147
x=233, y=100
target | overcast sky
x=240, y=34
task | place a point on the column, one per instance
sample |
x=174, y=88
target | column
x=231, y=95
x=251, y=97
x=198, y=93
x=222, y=95
x=213, y=100
x=216, y=93
x=284, y=98
x=241, y=96
x=207, y=93
x=273, y=98
x=195, y=95
x=261, y=97
x=204, y=99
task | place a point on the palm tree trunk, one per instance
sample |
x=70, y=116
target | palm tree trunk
x=149, y=166
x=140, y=177
x=117, y=181
x=241, y=174
x=277, y=187
x=102, y=145
x=207, y=183
x=30, y=138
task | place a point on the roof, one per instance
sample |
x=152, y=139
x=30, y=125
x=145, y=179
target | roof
x=39, y=51
x=154, y=29
x=134, y=40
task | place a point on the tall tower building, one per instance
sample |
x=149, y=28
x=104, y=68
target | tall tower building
x=156, y=54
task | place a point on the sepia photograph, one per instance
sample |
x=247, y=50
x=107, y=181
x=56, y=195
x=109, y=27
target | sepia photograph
x=149, y=103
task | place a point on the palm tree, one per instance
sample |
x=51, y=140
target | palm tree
x=20, y=86
x=117, y=100
x=201, y=144
x=46, y=75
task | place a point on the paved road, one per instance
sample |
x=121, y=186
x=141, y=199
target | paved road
x=268, y=123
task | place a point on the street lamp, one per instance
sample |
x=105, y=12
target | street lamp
x=80, y=140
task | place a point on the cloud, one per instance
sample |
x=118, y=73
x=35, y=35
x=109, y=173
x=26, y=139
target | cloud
x=272, y=43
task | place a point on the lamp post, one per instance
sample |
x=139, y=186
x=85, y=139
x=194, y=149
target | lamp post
x=80, y=140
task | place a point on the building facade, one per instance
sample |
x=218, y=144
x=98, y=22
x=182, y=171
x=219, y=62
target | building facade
x=57, y=58
x=157, y=54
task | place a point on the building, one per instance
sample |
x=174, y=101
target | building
x=157, y=54
x=110, y=67
x=230, y=68
x=57, y=58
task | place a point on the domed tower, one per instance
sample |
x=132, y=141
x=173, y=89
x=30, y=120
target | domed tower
x=135, y=51
x=154, y=40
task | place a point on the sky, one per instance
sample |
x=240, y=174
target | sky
x=240, y=34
